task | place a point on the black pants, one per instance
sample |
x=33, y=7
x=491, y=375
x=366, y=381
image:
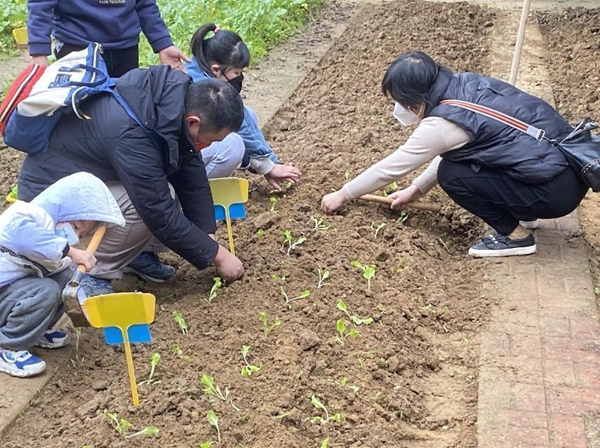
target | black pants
x=502, y=201
x=118, y=62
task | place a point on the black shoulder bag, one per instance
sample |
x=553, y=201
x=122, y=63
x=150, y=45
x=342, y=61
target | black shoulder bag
x=581, y=148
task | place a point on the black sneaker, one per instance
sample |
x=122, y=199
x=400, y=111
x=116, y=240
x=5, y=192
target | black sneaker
x=502, y=246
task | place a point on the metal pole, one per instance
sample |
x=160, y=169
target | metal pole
x=519, y=45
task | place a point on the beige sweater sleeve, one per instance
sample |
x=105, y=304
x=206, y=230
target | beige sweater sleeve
x=433, y=136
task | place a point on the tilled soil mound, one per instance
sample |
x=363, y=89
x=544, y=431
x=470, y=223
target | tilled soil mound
x=408, y=379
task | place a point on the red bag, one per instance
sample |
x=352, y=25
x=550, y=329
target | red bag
x=18, y=91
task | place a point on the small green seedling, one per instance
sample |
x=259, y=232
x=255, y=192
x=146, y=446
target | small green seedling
x=344, y=383
x=260, y=233
x=377, y=228
x=288, y=239
x=275, y=277
x=393, y=186
x=288, y=301
x=122, y=426
x=368, y=271
x=206, y=444
x=317, y=404
x=325, y=442
x=355, y=319
x=77, y=338
x=342, y=333
x=154, y=360
x=319, y=223
x=214, y=421
x=265, y=321
x=218, y=282
x=323, y=275
x=403, y=217
x=248, y=369
x=347, y=174
x=176, y=349
x=273, y=201
x=212, y=389
x=180, y=322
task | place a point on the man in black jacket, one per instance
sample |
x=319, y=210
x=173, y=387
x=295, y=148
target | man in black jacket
x=145, y=166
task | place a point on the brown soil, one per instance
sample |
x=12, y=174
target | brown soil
x=408, y=380
x=573, y=42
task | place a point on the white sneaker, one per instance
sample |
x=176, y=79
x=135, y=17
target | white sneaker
x=20, y=363
x=54, y=339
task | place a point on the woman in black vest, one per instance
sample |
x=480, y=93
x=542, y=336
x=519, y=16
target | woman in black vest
x=507, y=177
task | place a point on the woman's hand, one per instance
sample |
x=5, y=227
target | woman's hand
x=82, y=257
x=229, y=266
x=403, y=197
x=332, y=201
x=282, y=173
x=173, y=56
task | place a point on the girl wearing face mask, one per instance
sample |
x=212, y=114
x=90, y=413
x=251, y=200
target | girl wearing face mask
x=498, y=173
x=225, y=56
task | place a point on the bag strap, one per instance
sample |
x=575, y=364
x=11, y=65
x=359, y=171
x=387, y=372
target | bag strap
x=153, y=136
x=538, y=134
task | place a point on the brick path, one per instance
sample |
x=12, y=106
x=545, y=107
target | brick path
x=539, y=381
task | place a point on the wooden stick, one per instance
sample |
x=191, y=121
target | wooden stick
x=416, y=205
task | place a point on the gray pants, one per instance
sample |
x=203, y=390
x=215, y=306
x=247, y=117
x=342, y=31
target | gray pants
x=224, y=157
x=29, y=307
x=121, y=245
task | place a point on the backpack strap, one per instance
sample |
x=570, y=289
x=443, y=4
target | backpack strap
x=125, y=105
x=538, y=134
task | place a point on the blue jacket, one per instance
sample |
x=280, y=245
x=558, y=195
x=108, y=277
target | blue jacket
x=114, y=24
x=254, y=140
x=494, y=144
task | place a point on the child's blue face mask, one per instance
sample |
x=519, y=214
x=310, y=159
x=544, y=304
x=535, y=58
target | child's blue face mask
x=65, y=230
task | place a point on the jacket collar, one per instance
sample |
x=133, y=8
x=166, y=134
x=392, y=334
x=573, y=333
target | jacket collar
x=436, y=93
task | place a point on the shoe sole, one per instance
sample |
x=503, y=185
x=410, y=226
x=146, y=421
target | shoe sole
x=20, y=373
x=504, y=252
x=49, y=346
x=130, y=270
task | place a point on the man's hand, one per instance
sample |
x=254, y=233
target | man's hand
x=332, y=201
x=282, y=173
x=40, y=60
x=173, y=56
x=403, y=197
x=229, y=266
x=82, y=257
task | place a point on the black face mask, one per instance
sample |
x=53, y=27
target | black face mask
x=237, y=82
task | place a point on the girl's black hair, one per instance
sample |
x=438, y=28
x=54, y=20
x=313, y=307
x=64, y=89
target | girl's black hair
x=226, y=48
x=410, y=78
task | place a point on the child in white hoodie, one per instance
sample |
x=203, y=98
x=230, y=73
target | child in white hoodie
x=36, y=251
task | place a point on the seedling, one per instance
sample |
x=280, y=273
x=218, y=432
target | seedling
x=273, y=201
x=344, y=383
x=176, y=349
x=377, y=228
x=265, y=320
x=154, y=360
x=317, y=404
x=342, y=333
x=214, y=421
x=355, y=319
x=260, y=233
x=77, y=338
x=319, y=224
x=212, y=389
x=323, y=275
x=122, y=426
x=325, y=442
x=275, y=277
x=403, y=217
x=368, y=271
x=206, y=444
x=248, y=369
x=180, y=322
x=347, y=174
x=288, y=239
x=218, y=282
x=288, y=301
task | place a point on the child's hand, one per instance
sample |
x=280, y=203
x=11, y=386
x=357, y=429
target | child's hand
x=82, y=257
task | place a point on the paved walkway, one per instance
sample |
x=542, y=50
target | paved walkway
x=539, y=379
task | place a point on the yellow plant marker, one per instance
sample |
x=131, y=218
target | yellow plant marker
x=122, y=310
x=228, y=192
x=20, y=35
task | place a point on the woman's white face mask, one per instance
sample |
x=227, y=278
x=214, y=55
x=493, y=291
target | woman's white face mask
x=405, y=116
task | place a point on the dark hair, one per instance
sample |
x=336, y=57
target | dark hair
x=217, y=103
x=225, y=48
x=410, y=77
